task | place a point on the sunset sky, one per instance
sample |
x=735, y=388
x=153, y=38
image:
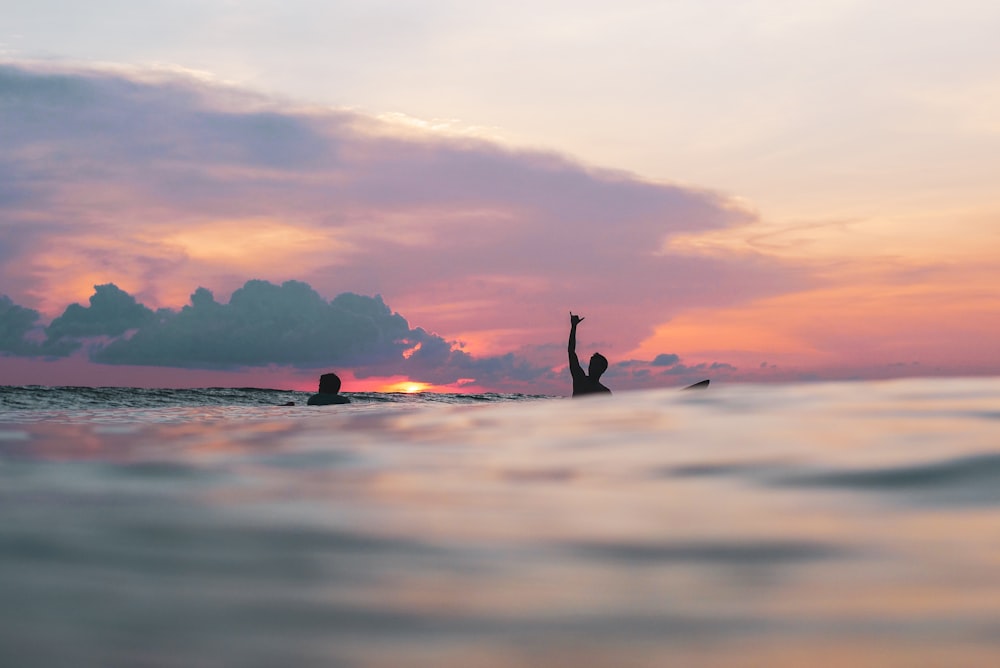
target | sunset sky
x=738, y=190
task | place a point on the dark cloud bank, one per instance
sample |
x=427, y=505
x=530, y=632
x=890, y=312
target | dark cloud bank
x=291, y=325
x=263, y=324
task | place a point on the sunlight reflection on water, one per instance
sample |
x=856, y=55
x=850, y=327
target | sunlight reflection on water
x=750, y=525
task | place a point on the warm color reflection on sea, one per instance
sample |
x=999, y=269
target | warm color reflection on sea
x=836, y=525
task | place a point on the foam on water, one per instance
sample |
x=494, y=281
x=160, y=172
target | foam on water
x=840, y=524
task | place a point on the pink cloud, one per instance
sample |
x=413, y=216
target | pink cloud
x=162, y=185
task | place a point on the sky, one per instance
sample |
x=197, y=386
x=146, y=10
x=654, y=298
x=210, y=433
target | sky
x=416, y=194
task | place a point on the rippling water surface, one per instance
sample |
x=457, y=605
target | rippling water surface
x=841, y=524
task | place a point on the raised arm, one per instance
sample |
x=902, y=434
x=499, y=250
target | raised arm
x=574, y=362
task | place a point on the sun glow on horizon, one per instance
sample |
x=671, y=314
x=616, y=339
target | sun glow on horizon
x=406, y=387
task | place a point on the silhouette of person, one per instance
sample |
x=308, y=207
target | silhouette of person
x=584, y=383
x=329, y=392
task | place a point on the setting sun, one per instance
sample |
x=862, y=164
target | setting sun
x=409, y=387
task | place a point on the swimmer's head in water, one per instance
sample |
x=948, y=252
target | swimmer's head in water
x=598, y=365
x=329, y=383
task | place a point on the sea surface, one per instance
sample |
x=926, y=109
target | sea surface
x=844, y=524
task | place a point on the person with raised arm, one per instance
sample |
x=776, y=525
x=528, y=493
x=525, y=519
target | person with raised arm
x=584, y=382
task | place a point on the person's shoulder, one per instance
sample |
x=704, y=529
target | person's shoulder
x=327, y=400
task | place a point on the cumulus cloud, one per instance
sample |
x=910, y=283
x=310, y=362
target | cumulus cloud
x=21, y=333
x=160, y=182
x=112, y=312
x=665, y=359
x=15, y=323
x=261, y=325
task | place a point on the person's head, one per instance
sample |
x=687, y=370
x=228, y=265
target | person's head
x=329, y=383
x=598, y=365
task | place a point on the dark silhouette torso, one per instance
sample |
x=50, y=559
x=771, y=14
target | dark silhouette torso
x=582, y=383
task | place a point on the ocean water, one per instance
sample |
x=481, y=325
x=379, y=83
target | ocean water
x=845, y=524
